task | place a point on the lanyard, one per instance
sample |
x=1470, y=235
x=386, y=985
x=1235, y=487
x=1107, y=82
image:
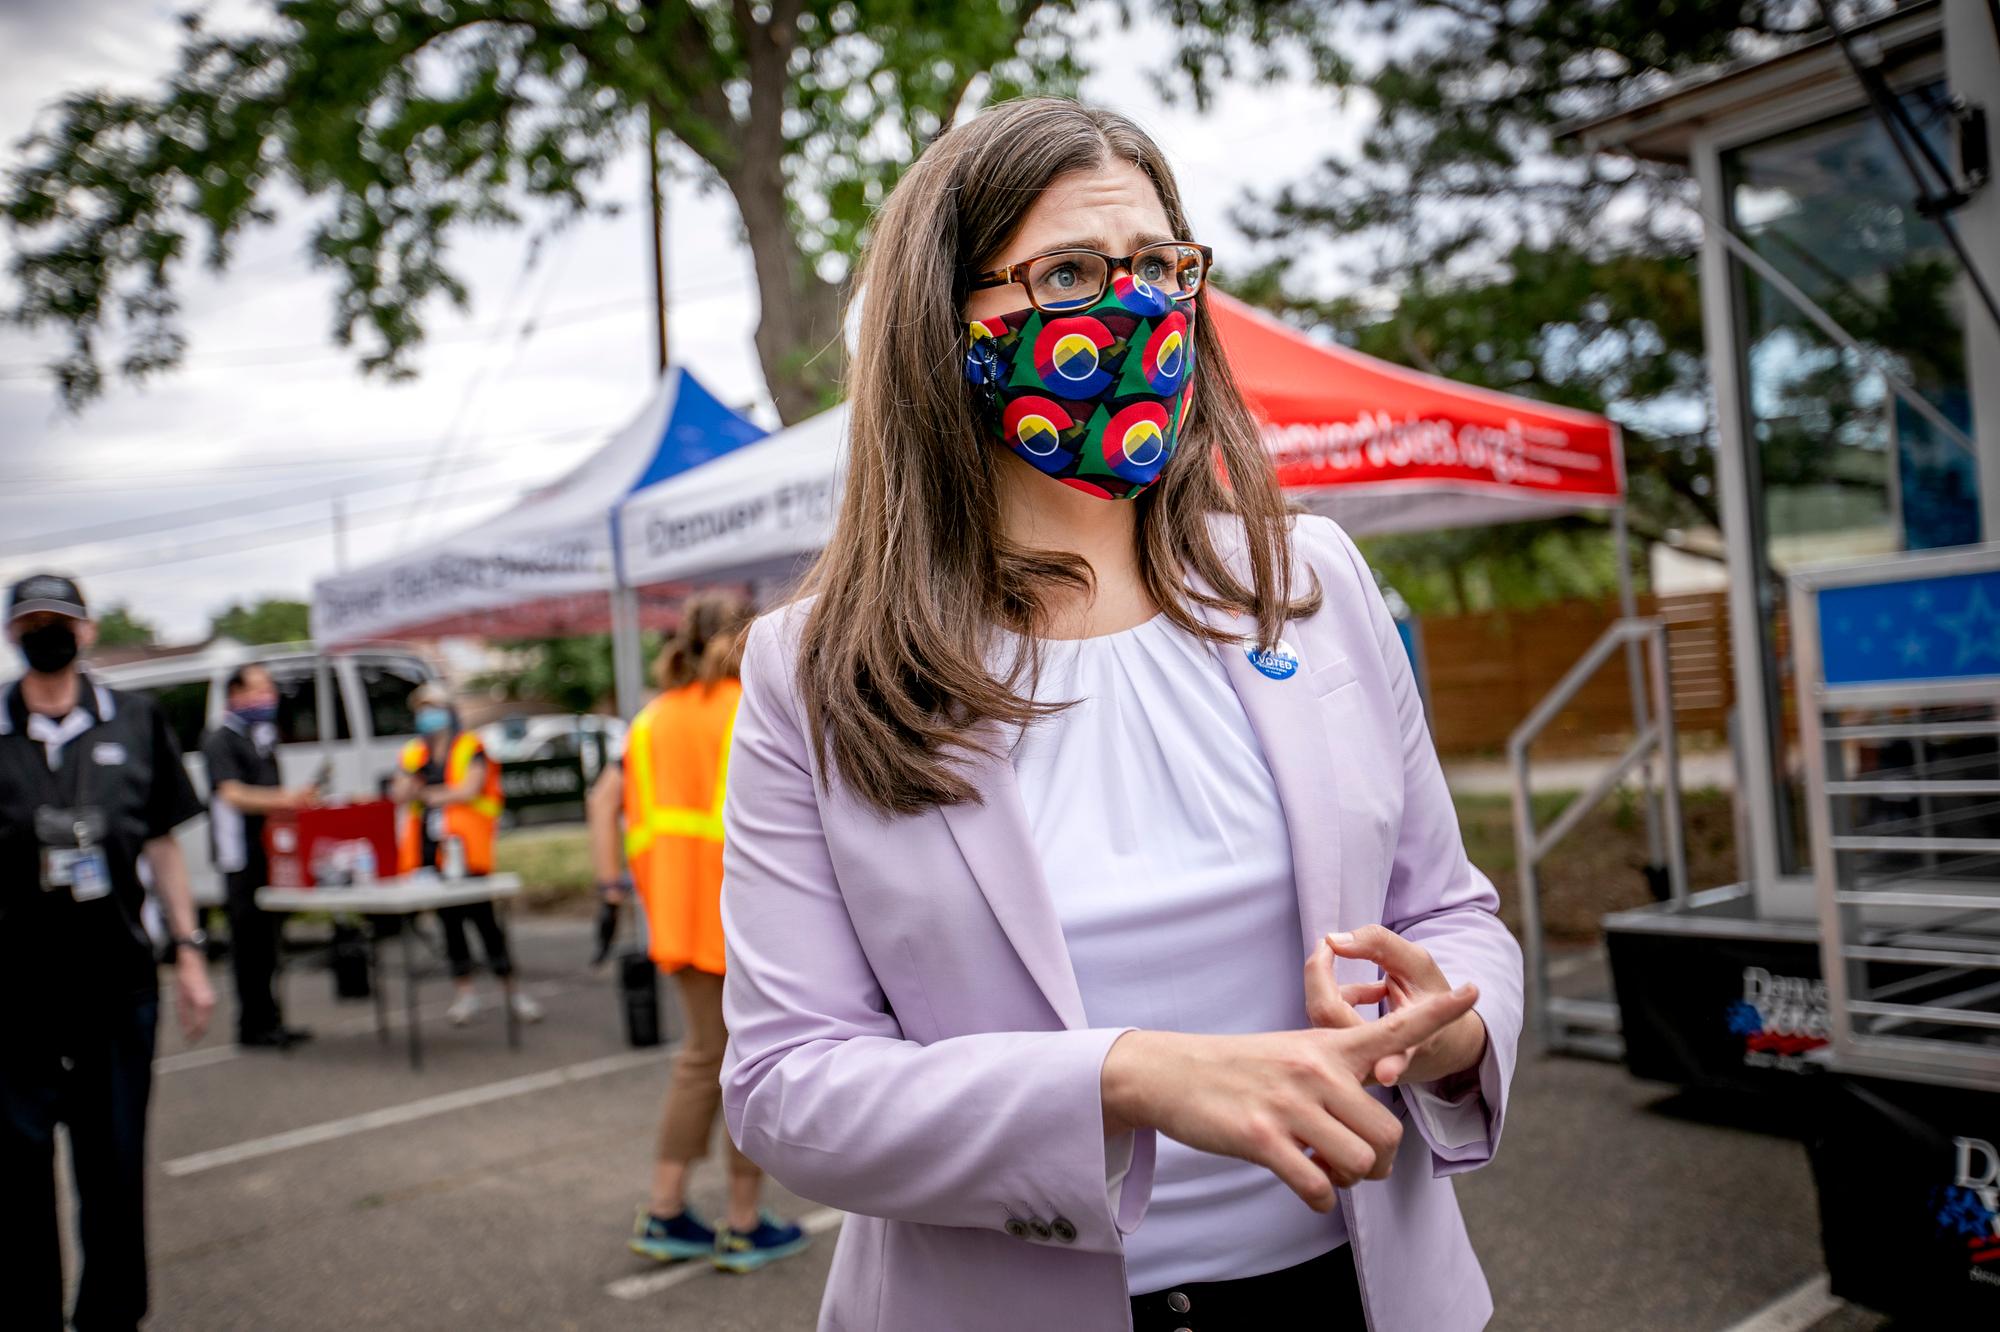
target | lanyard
x=72, y=817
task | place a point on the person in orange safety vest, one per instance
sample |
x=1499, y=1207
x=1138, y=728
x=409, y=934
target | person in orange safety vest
x=669, y=790
x=449, y=790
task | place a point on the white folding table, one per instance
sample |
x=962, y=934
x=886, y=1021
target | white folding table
x=404, y=895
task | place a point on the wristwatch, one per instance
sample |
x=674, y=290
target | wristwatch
x=196, y=939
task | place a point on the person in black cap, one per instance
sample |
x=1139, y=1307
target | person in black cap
x=91, y=783
x=242, y=758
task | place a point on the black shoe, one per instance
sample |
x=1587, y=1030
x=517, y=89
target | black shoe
x=275, y=1038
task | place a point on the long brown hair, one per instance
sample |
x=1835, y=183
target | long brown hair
x=893, y=659
x=708, y=644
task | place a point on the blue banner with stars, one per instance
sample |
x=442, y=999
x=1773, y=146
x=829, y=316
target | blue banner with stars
x=1911, y=630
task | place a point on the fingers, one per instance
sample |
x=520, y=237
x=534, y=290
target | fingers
x=1279, y=1152
x=1389, y=951
x=1325, y=1004
x=1338, y=1150
x=1364, y=992
x=1407, y=1027
x=1373, y=1125
x=1389, y=1069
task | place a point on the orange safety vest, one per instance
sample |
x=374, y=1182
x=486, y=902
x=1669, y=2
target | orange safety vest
x=474, y=822
x=676, y=767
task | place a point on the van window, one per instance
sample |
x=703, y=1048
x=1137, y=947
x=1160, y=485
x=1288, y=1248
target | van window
x=186, y=708
x=298, y=704
x=387, y=683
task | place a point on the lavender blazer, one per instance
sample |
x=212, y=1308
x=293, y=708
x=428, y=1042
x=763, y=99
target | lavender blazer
x=906, y=1037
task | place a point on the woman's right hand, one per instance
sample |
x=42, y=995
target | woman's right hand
x=1272, y=1098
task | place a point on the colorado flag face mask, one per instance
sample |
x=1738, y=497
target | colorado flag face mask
x=1094, y=398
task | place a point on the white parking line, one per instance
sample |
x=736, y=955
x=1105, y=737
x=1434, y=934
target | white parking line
x=652, y=1283
x=331, y=1129
x=1793, y=1312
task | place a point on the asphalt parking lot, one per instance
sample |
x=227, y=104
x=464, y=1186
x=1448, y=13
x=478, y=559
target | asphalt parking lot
x=335, y=1188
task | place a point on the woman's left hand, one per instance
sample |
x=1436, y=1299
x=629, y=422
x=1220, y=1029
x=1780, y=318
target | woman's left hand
x=1408, y=973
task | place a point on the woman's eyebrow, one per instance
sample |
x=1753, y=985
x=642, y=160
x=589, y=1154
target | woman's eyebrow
x=1103, y=246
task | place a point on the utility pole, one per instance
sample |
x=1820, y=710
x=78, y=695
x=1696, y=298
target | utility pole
x=659, y=204
x=627, y=670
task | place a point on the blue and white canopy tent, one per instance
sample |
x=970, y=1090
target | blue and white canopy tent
x=548, y=565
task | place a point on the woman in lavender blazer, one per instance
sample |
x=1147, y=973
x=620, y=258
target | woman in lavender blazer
x=1093, y=897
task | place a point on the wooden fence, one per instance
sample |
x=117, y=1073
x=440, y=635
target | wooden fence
x=1488, y=670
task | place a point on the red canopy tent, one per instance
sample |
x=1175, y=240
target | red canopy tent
x=1381, y=448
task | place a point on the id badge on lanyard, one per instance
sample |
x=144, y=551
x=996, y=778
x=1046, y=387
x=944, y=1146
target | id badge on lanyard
x=73, y=859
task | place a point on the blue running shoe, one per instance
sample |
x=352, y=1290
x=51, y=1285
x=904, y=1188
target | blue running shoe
x=671, y=1239
x=749, y=1250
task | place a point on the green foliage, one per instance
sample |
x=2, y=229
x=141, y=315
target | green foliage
x=407, y=121
x=271, y=620
x=575, y=674
x=119, y=627
x=1510, y=566
x=1463, y=164
x=1491, y=250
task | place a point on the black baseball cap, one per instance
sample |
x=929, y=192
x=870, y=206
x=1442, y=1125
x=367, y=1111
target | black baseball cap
x=46, y=592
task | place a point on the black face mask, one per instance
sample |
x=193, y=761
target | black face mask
x=50, y=648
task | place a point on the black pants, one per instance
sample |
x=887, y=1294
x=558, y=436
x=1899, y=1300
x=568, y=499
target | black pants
x=93, y=1073
x=1325, y=1287
x=253, y=956
x=481, y=916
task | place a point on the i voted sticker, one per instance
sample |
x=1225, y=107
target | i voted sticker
x=1278, y=662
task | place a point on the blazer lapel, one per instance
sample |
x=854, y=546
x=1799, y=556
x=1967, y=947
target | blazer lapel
x=1290, y=721
x=994, y=839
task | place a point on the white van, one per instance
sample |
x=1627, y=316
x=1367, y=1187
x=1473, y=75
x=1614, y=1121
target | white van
x=347, y=710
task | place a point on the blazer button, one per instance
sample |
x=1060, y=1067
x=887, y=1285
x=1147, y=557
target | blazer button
x=1063, y=1229
x=1040, y=1227
x=1179, y=1302
x=1016, y=1227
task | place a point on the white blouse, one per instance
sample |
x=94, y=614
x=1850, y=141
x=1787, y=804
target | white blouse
x=1164, y=844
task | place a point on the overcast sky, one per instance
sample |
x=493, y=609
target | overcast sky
x=269, y=421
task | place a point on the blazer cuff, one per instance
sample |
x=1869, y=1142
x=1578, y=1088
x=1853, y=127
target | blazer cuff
x=1094, y=1212
x=1117, y=1165
x=1448, y=1125
x=1462, y=1129
x=1132, y=1192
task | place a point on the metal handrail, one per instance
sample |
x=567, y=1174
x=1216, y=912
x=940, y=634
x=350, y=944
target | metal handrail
x=1576, y=1025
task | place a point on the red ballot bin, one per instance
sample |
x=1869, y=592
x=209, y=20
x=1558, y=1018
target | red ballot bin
x=332, y=844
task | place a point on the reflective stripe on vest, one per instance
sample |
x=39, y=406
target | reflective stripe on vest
x=670, y=820
x=464, y=749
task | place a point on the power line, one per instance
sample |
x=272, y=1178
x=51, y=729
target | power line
x=394, y=454
x=285, y=534
x=529, y=328
x=36, y=543
x=442, y=448
x=305, y=353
